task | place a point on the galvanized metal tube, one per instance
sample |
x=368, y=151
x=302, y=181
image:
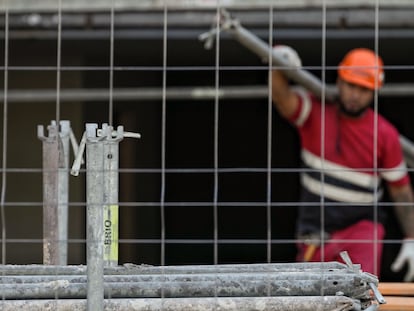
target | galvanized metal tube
x=336, y=275
x=222, y=286
x=230, y=268
x=246, y=281
x=94, y=218
x=50, y=150
x=189, y=269
x=263, y=50
x=55, y=192
x=33, y=96
x=326, y=303
x=63, y=200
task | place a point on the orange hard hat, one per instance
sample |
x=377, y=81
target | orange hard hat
x=362, y=67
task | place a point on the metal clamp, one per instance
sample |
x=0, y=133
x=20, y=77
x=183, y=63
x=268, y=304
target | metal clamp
x=92, y=133
x=224, y=22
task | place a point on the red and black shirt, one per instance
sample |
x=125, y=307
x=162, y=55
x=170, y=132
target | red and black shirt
x=344, y=161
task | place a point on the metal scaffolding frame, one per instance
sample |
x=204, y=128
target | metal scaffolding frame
x=172, y=93
x=294, y=286
x=242, y=287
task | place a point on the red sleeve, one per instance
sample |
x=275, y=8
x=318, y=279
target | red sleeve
x=304, y=108
x=392, y=159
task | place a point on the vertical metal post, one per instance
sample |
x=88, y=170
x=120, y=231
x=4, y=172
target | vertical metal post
x=102, y=163
x=55, y=150
x=50, y=151
x=94, y=218
x=63, y=200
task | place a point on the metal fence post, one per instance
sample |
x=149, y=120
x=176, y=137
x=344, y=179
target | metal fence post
x=102, y=163
x=63, y=200
x=55, y=150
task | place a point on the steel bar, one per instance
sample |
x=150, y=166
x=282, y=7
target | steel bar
x=63, y=199
x=327, y=276
x=94, y=218
x=55, y=149
x=210, y=285
x=172, y=93
x=280, y=280
x=55, y=191
x=102, y=203
x=103, y=162
x=132, y=269
x=326, y=303
x=255, y=288
x=265, y=52
x=50, y=150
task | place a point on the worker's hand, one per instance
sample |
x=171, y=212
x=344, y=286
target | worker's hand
x=289, y=55
x=405, y=256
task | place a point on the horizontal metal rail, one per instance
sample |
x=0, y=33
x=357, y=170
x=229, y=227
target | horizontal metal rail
x=327, y=303
x=172, y=93
x=133, y=269
x=220, y=285
x=301, y=286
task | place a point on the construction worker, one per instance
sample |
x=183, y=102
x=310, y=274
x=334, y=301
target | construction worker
x=346, y=150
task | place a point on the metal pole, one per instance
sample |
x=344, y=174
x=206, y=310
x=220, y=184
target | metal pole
x=198, y=285
x=326, y=303
x=50, y=150
x=345, y=275
x=55, y=192
x=285, y=282
x=132, y=269
x=102, y=203
x=292, y=279
x=94, y=218
x=63, y=199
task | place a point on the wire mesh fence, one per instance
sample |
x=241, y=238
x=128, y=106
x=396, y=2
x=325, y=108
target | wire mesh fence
x=213, y=182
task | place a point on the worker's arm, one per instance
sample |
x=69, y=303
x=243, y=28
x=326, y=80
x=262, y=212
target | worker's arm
x=284, y=99
x=403, y=198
